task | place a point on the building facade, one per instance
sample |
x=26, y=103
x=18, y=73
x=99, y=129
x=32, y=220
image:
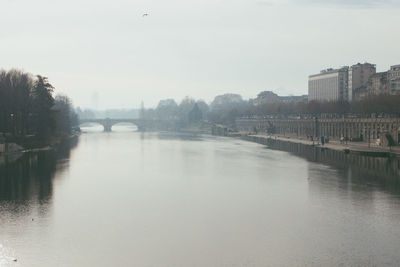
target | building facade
x=293, y=99
x=358, y=77
x=394, y=79
x=328, y=85
x=269, y=97
x=382, y=83
x=378, y=84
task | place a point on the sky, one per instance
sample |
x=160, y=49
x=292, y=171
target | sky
x=106, y=54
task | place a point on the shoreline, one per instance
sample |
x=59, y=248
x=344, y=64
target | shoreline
x=46, y=147
x=349, y=148
x=380, y=166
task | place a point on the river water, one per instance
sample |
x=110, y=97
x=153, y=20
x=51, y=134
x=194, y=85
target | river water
x=132, y=199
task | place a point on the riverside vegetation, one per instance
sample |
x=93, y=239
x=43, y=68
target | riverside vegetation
x=225, y=109
x=29, y=113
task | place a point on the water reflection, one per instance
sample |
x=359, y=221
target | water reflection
x=124, y=127
x=28, y=176
x=148, y=199
x=179, y=136
x=351, y=168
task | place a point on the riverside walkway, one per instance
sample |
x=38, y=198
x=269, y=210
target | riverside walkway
x=352, y=147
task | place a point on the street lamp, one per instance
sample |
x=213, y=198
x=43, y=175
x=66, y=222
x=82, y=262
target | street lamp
x=12, y=123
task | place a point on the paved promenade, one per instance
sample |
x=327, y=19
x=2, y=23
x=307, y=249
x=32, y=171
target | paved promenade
x=336, y=145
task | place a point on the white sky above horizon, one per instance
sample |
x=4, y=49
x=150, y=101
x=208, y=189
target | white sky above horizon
x=104, y=54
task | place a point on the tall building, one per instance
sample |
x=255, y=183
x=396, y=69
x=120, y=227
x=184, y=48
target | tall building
x=382, y=83
x=328, y=85
x=358, y=77
x=379, y=84
x=341, y=84
x=394, y=79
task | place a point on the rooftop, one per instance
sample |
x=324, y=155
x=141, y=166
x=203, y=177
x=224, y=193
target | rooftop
x=329, y=71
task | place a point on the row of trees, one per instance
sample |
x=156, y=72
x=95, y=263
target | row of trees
x=386, y=105
x=224, y=109
x=28, y=107
x=187, y=112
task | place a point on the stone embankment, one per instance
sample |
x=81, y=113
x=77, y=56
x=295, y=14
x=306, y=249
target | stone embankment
x=367, y=130
x=360, y=148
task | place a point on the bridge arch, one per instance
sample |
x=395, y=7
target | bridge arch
x=91, y=126
x=108, y=123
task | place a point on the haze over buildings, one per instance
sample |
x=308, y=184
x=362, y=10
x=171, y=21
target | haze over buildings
x=195, y=48
x=353, y=83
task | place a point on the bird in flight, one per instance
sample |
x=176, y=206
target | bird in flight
x=145, y=15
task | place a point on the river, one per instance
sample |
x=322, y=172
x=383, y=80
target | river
x=154, y=199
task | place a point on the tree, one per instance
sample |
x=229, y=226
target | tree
x=184, y=108
x=15, y=101
x=27, y=106
x=42, y=104
x=63, y=113
x=205, y=109
x=195, y=115
x=167, y=109
x=227, y=101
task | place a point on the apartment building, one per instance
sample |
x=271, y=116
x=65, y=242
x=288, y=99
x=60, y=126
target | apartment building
x=358, y=77
x=340, y=84
x=394, y=79
x=328, y=85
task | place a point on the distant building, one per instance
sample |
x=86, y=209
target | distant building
x=358, y=77
x=360, y=93
x=382, y=83
x=394, y=79
x=269, y=97
x=328, y=85
x=340, y=84
x=378, y=84
x=293, y=98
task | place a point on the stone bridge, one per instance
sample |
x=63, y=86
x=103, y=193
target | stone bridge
x=108, y=123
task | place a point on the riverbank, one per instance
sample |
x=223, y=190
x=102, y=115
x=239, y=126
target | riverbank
x=22, y=145
x=359, y=148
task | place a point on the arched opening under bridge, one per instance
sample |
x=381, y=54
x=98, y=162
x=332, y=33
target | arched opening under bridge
x=91, y=127
x=124, y=127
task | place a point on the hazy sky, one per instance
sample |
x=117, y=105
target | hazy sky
x=104, y=54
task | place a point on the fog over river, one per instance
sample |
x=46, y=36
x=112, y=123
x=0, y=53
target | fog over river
x=156, y=199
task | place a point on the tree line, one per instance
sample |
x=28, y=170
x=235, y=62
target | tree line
x=225, y=109
x=187, y=112
x=380, y=105
x=28, y=107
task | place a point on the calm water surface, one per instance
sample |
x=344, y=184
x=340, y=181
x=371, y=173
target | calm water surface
x=132, y=199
